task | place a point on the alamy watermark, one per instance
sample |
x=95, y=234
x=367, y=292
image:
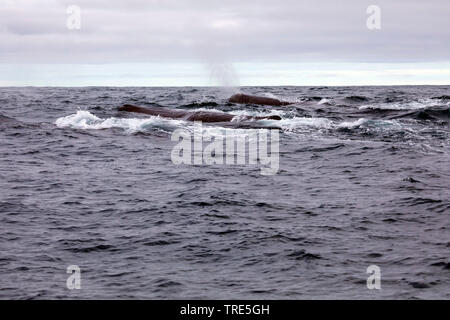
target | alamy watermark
x=73, y=21
x=373, y=22
x=74, y=280
x=374, y=280
x=227, y=147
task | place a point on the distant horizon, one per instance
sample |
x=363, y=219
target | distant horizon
x=180, y=74
x=244, y=86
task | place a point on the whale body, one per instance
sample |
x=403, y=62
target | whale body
x=204, y=116
x=246, y=99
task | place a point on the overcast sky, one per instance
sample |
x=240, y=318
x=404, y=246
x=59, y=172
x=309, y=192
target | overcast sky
x=211, y=42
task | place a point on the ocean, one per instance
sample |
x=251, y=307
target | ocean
x=362, y=180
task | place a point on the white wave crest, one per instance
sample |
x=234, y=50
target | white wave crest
x=412, y=105
x=324, y=100
x=206, y=110
x=363, y=122
x=250, y=113
x=299, y=123
x=85, y=120
x=271, y=95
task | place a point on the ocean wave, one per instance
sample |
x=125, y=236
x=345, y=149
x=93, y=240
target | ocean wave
x=271, y=95
x=444, y=97
x=85, y=120
x=6, y=119
x=411, y=105
x=356, y=98
x=431, y=114
x=301, y=123
x=289, y=99
x=298, y=123
x=206, y=110
x=368, y=123
x=324, y=101
x=253, y=113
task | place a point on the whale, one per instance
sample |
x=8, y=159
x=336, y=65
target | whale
x=247, y=99
x=204, y=116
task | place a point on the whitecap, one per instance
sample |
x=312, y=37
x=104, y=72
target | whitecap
x=363, y=122
x=86, y=120
x=411, y=105
x=323, y=101
x=301, y=123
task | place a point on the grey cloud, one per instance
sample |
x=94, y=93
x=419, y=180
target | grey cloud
x=236, y=31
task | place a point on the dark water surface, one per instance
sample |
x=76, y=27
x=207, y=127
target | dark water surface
x=364, y=179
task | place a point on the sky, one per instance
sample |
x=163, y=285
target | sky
x=224, y=43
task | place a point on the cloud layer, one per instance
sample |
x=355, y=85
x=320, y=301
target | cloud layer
x=34, y=31
x=216, y=42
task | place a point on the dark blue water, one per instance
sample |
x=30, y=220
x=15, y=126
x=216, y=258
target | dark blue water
x=364, y=179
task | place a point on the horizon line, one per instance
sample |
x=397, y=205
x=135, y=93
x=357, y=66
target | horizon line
x=218, y=86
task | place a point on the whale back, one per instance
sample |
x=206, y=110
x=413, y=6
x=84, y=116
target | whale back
x=203, y=116
x=246, y=99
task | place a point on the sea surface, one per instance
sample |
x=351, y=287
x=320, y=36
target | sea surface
x=363, y=179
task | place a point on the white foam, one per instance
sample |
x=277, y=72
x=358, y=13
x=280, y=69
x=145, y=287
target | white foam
x=352, y=124
x=210, y=132
x=412, y=105
x=86, y=120
x=271, y=95
x=324, y=100
x=272, y=112
x=284, y=98
x=206, y=110
x=362, y=122
x=299, y=123
x=82, y=119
